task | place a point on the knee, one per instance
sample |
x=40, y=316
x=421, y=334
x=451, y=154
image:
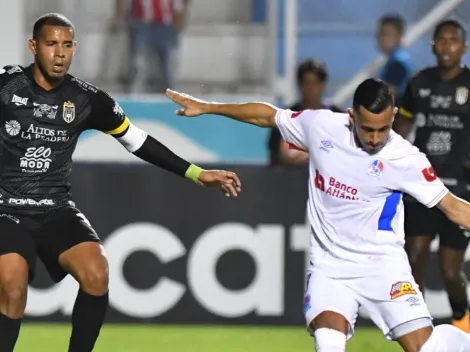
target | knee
x=417, y=255
x=94, y=279
x=330, y=340
x=446, y=338
x=450, y=274
x=13, y=292
x=13, y=295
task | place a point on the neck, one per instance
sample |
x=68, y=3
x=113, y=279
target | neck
x=42, y=81
x=356, y=139
x=450, y=73
x=309, y=104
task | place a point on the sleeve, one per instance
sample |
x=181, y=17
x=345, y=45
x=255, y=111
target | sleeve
x=395, y=74
x=407, y=102
x=107, y=116
x=3, y=77
x=294, y=127
x=419, y=180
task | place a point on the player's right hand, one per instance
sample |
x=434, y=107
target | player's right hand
x=227, y=181
x=191, y=107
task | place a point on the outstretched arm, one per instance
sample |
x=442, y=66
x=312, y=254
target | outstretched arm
x=108, y=117
x=155, y=153
x=259, y=114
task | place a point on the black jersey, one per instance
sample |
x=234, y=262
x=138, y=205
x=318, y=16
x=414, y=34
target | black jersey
x=441, y=113
x=39, y=130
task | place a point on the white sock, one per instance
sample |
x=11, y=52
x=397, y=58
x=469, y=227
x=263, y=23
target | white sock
x=447, y=338
x=329, y=340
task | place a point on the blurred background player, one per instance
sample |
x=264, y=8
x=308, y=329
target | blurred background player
x=312, y=78
x=436, y=102
x=155, y=27
x=398, y=67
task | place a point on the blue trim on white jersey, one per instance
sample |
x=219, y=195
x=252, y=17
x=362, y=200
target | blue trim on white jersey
x=389, y=211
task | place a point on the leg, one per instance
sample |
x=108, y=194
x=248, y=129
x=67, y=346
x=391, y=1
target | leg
x=87, y=263
x=17, y=260
x=395, y=304
x=418, y=248
x=330, y=312
x=70, y=245
x=13, y=288
x=140, y=41
x=420, y=228
x=446, y=338
x=453, y=244
x=164, y=40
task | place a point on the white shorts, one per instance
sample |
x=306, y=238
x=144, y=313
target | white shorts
x=391, y=299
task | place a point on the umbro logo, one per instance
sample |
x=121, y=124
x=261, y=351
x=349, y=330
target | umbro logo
x=19, y=101
x=326, y=146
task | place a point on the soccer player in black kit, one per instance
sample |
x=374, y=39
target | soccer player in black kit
x=437, y=103
x=43, y=110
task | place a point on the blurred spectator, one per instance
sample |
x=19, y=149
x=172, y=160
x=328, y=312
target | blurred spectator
x=155, y=26
x=312, y=78
x=399, y=66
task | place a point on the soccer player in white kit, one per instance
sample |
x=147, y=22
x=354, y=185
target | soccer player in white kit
x=359, y=169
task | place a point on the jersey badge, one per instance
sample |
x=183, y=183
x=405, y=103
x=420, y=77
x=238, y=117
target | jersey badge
x=376, y=168
x=68, y=112
x=461, y=95
x=429, y=174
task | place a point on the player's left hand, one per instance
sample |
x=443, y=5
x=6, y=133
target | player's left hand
x=227, y=181
x=192, y=106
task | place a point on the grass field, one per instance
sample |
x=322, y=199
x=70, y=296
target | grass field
x=138, y=338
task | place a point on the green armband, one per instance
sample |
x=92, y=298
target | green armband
x=193, y=172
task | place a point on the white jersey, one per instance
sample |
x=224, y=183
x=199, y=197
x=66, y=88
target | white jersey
x=355, y=203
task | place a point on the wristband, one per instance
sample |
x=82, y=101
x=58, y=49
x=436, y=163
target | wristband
x=193, y=172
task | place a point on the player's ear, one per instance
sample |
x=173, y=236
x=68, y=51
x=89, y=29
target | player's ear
x=351, y=116
x=395, y=110
x=75, y=43
x=433, y=47
x=32, y=46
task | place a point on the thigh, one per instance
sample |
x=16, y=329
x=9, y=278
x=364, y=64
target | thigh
x=420, y=220
x=391, y=299
x=140, y=36
x=15, y=238
x=451, y=235
x=325, y=294
x=63, y=229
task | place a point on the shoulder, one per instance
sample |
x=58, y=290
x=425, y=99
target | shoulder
x=321, y=116
x=10, y=72
x=400, y=152
x=424, y=76
x=86, y=87
x=465, y=75
x=97, y=96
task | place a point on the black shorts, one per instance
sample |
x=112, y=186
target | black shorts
x=45, y=236
x=423, y=221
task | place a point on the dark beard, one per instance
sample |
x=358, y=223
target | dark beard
x=47, y=77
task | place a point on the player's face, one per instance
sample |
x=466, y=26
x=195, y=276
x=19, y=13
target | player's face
x=449, y=47
x=312, y=87
x=53, y=51
x=372, y=130
x=388, y=38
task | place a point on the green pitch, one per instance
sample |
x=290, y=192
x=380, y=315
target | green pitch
x=147, y=338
